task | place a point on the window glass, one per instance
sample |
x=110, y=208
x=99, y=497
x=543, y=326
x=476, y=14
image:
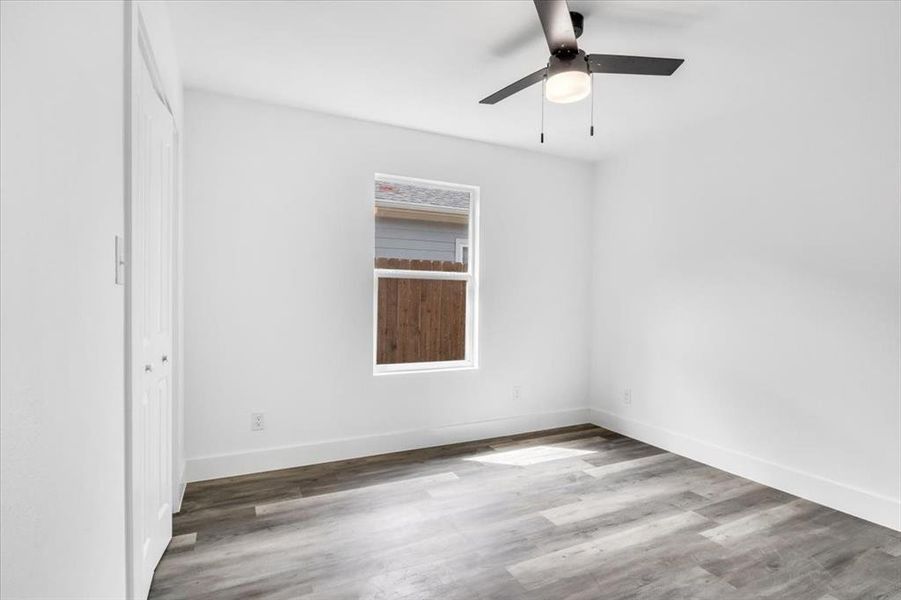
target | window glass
x=420, y=224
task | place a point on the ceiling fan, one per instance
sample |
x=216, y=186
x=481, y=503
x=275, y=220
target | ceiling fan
x=567, y=76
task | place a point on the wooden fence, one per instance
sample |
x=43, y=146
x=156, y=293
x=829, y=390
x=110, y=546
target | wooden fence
x=420, y=320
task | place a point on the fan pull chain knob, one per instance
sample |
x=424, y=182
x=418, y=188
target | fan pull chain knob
x=543, y=83
x=591, y=100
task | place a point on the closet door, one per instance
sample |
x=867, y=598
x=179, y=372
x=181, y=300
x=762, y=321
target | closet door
x=151, y=281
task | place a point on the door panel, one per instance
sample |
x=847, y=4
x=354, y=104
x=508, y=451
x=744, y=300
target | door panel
x=151, y=336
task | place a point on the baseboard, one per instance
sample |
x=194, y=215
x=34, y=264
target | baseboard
x=242, y=463
x=877, y=508
x=179, y=496
x=180, y=485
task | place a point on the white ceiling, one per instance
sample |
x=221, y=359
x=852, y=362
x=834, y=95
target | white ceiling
x=426, y=64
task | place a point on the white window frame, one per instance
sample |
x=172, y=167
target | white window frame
x=471, y=276
x=458, y=249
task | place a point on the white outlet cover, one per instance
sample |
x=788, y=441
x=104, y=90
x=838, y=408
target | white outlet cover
x=256, y=422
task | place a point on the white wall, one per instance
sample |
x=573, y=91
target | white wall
x=746, y=273
x=62, y=183
x=61, y=352
x=278, y=295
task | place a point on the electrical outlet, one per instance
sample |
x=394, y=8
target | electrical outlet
x=256, y=422
x=627, y=396
x=517, y=392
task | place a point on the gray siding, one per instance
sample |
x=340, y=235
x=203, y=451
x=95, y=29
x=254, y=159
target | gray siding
x=424, y=240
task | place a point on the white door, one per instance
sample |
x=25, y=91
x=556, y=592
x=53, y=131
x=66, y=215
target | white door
x=151, y=246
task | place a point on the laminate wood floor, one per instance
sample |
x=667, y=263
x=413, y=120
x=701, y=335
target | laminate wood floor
x=573, y=513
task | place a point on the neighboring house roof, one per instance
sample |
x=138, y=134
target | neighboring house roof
x=425, y=197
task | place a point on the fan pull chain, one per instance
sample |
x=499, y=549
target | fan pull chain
x=543, y=81
x=591, y=98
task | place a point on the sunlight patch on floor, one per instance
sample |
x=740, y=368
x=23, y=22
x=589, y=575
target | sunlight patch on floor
x=529, y=456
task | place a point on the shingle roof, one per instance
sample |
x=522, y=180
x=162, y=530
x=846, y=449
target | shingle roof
x=416, y=194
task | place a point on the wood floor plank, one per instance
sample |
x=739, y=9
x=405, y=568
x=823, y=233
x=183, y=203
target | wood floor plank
x=581, y=557
x=555, y=439
x=405, y=485
x=625, y=465
x=757, y=521
x=606, y=502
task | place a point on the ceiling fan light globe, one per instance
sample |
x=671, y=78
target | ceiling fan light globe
x=568, y=86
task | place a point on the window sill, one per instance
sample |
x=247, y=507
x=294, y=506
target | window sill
x=419, y=368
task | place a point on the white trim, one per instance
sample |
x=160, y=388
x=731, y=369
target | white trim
x=240, y=463
x=444, y=365
x=470, y=276
x=459, y=245
x=432, y=183
x=433, y=208
x=411, y=274
x=179, y=496
x=127, y=193
x=861, y=503
x=178, y=488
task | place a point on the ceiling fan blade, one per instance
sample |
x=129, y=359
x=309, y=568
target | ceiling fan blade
x=632, y=65
x=557, y=25
x=515, y=87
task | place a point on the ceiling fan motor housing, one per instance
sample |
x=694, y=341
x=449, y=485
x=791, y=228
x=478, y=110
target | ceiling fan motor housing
x=565, y=62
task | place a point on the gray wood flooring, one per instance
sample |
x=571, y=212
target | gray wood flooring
x=573, y=513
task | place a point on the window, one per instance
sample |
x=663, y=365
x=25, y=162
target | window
x=426, y=284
